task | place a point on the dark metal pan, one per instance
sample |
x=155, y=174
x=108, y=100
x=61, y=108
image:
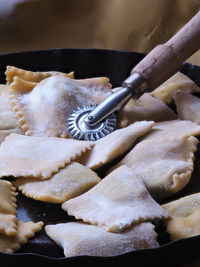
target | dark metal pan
x=90, y=63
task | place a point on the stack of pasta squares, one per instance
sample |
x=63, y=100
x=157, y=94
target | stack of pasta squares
x=150, y=157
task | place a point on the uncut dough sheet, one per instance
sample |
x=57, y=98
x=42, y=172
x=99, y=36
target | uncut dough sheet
x=8, y=219
x=43, y=108
x=114, y=145
x=71, y=181
x=38, y=157
x=184, y=220
x=165, y=165
x=25, y=230
x=78, y=238
x=117, y=202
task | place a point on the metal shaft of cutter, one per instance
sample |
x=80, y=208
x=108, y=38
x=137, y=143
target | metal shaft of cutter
x=134, y=86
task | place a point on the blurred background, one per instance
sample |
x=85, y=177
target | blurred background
x=136, y=25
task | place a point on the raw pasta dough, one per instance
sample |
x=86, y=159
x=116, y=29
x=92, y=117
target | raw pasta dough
x=25, y=230
x=145, y=108
x=78, y=239
x=166, y=91
x=8, y=206
x=188, y=106
x=31, y=76
x=173, y=129
x=43, y=109
x=8, y=120
x=184, y=220
x=114, y=145
x=165, y=165
x=69, y=182
x=116, y=203
x=38, y=157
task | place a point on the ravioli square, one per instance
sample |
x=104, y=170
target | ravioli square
x=44, y=107
x=184, y=219
x=31, y=76
x=8, y=118
x=117, y=202
x=9, y=122
x=174, y=129
x=25, y=230
x=187, y=106
x=77, y=238
x=38, y=157
x=165, y=164
x=114, y=144
x=147, y=108
x=69, y=182
x=8, y=219
x=166, y=91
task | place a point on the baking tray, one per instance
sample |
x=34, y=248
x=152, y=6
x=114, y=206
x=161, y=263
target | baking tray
x=40, y=249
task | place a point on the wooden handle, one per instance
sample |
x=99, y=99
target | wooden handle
x=165, y=60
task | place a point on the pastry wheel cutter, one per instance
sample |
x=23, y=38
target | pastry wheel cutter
x=94, y=122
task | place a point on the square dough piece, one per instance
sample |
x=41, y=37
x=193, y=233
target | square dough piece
x=31, y=76
x=43, y=109
x=145, y=108
x=184, y=220
x=9, y=122
x=78, y=239
x=38, y=157
x=8, y=206
x=165, y=165
x=174, y=129
x=114, y=145
x=8, y=119
x=166, y=91
x=117, y=202
x=71, y=181
x=25, y=230
x=188, y=106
